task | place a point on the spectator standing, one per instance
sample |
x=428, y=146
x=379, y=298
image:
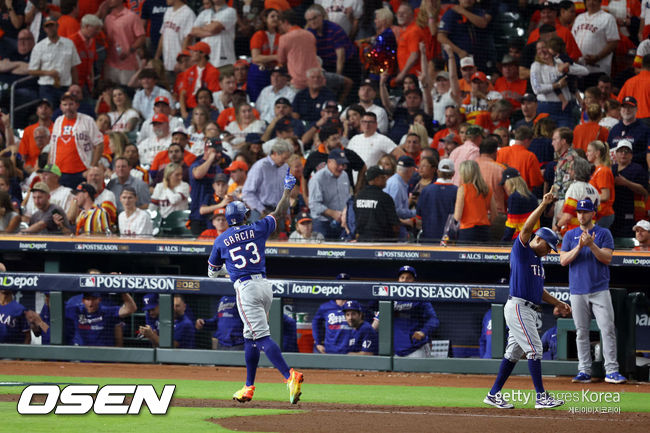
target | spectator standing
x=521, y=203
x=397, y=188
x=145, y=98
x=549, y=16
x=603, y=180
x=125, y=34
x=53, y=60
x=580, y=173
x=408, y=42
x=338, y=54
x=177, y=24
x=637, y=86
x=263, y=187
x=85, y=42
x=436, y=202
x=132, y=220
x=264, y=49
x=202, y=74
x=469, y=150
x=589, y=131
x=633, y=130
x=375, y=215
x=413, y=322
x=296, y=50
x=475, y=205
x=596, y=34
x=123, y=117
x=561, y=141
x=461, y=28
x=76, y=143
x=345, y=13
x=33, y=142
x=631, y=181
x=587, y=250
x=529, y=110
x=328, y=195
x=371, y=145
x=367, y=96
x=216, y=27
x=520, y=158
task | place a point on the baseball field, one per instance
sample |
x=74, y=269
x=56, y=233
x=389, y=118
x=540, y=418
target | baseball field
x=343, y=401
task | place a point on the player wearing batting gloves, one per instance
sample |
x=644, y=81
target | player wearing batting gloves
x=526, y=293
x=588, y=251
x=241, y=249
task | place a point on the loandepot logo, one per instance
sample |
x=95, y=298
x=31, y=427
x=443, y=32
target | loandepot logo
x=107, y=400
x=316, y=289
x=32, y=246
x=19, y=282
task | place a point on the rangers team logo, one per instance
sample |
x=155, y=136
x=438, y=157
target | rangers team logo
x=87, y=282
x=380, y=290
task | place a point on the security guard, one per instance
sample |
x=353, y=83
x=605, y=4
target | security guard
x=375, y=215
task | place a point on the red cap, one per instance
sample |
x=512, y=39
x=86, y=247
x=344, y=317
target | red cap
x=241, y=62
x=160, y=118
x=200, y=46
x=161, y=99
x=479, y=76
x=220, y=211
x=183, y=53
x=236, y=165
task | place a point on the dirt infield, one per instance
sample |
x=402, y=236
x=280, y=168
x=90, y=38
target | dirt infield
x=325, y=417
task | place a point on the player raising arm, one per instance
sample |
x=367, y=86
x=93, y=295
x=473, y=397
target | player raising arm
x=241, y=249
x=526, y=293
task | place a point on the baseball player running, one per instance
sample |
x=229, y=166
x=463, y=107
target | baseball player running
x=241, y=248
x=526, y=293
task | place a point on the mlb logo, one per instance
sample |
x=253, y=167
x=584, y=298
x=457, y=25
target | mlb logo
x=87, y=282
x=380, y=290
x=161, y=248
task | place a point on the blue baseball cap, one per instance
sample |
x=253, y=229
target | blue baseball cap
x=407, y=268
x=150, y=301
x=549, y=236
x=343, y=276
x=585, y=205
x=352, y=305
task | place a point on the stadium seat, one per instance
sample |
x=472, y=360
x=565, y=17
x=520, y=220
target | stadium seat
x=624, y=243
x=156, y=219
x=174, y=224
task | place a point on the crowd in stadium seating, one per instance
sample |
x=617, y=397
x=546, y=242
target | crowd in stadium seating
x=151, y=112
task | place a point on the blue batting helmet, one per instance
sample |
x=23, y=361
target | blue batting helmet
x=236, y=213
x=549, y=236
x=407, y=268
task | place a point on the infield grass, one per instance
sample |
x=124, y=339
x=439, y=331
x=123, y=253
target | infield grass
x=343, y=394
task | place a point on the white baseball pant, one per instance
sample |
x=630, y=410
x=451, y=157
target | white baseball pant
x=254, y=298
x=523, y=336
x=601, y=305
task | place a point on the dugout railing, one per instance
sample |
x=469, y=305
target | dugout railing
x=456, y=298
